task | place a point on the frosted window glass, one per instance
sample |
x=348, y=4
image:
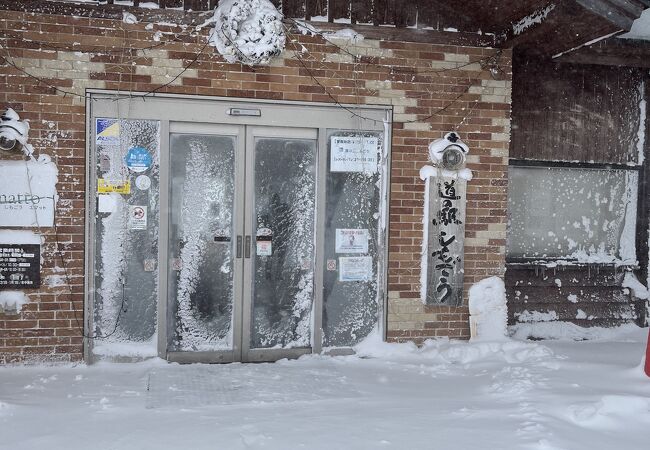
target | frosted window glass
x=200, y=242
x=126, y=289
x=559, y=212
x=285, y=188
x=353, y=201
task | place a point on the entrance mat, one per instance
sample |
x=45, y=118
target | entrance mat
x=199, y=385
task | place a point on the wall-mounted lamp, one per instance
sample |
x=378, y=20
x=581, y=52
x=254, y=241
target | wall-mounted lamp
x=13, y=131
x=449, y=152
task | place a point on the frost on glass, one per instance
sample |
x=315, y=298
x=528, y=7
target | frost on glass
x=569, y=213
x=125, y=293
x=284, y=213
x=200, y=242
x=352, y=201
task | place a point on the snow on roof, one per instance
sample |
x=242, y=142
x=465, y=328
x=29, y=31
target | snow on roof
x=640, y=28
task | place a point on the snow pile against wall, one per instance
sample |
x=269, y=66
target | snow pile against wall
x=247, y=31
x=639, y=290
x=487, y=309
x=19, y=237
x=13, y=300
x=453, y=352
x=570, y=332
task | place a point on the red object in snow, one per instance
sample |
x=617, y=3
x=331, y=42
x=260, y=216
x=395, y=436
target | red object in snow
x=647, y=357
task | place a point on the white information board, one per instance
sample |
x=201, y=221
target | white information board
x=351, y=240
x=354, y=154
x=355, y=268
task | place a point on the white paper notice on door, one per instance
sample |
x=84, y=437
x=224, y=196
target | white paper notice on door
x=354, y=154
x=351, y=240
x=355, y=268
x=264, y=248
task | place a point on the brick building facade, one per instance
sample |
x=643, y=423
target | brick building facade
x=452, y=82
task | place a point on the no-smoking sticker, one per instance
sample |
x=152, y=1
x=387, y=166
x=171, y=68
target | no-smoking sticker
x=137, y=217
x=331, y=265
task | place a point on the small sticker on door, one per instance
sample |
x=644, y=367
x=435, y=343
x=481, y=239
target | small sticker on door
x=106, y=187
x=137, y=217
x=143, y=182
x=149, y=265
x=264, y=248
x=331, y=265
x=177, y=264
x=104, y=163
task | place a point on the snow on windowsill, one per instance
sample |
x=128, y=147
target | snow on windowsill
x=568, y=331
x=20, y=237
x=571, y=261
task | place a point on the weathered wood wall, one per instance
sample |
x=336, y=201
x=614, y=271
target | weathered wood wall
x=400, y=13
x=585, y=113
x=584, y=295
x=581, y=113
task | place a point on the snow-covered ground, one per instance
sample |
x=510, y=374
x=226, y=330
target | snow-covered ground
x=447, y=395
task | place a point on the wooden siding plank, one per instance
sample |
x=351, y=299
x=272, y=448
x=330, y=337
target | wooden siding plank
x=574, y=112
x=566, y=276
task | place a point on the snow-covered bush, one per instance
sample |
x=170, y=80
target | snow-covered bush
x=248, y=31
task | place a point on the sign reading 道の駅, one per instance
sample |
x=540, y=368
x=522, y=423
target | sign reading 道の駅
x=446, y=240
x=20, y=266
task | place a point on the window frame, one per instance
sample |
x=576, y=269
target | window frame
x=539, y=261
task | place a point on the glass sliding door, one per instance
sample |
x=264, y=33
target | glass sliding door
x=201, y=271
x=283, y=235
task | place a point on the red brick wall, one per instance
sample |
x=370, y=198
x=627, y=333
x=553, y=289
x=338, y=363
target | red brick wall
x=417, y=79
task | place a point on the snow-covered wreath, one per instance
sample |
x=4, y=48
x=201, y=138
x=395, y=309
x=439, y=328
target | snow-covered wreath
x=248, y=31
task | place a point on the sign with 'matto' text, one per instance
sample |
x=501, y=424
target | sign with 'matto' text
x=27, y=193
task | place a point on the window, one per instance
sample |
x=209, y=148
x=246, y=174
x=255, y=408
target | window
x=583, y=214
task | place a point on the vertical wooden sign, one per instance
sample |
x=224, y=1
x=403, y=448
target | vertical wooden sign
x=447, y=199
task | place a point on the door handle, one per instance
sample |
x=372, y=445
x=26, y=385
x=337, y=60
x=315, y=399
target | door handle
x=247, y=248
x=238, y=250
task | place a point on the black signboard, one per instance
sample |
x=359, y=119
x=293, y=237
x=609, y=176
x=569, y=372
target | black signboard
x=20, y=266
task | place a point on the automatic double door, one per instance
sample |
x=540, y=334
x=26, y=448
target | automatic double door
x=223, y=230
x=242, y=221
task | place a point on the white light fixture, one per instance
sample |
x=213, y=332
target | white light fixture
x=13, y=131
x=449, y=153
x=453, y=158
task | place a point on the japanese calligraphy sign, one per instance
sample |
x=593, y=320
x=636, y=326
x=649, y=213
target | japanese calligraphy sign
x=20, y=266
x=446, y=240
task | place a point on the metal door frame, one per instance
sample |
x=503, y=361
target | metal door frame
x=207, y=111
